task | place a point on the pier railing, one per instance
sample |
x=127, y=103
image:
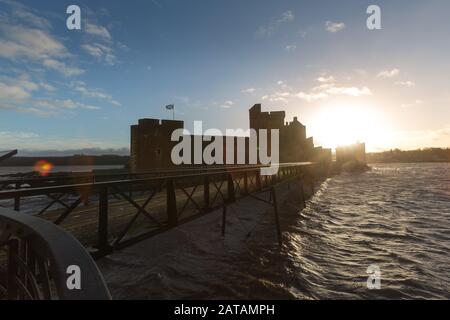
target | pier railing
x=110, y=215
x=37, y=259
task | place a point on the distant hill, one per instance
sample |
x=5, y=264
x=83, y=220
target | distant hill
x=76, y=160
x=420, y=155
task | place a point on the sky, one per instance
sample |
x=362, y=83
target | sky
x=64, y=89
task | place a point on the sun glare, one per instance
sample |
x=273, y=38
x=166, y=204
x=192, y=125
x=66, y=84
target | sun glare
x=339, y=125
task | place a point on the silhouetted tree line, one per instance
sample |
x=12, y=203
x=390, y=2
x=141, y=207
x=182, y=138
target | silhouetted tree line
x=420, y=155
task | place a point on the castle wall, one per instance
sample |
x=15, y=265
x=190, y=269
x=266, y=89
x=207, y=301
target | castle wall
x=151, y=144
x=354, y=152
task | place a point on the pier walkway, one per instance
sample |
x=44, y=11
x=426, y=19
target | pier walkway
x=112, y=214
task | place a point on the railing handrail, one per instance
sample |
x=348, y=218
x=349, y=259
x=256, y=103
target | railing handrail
x=9, y=194
x=75, y=175
x=62, y=249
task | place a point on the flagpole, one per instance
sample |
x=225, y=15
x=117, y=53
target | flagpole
x=173, y=112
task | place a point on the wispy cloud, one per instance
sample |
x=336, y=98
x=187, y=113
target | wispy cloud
x=97, y=31
x=227, y=104
x=100, y=44
x=82, y=88
x=290, y=47
x=388, y=73
x=270, y=28
x=22, y=43
x=334, y=27
x=249, y=90
x=327, y=87
x=408, y=84
x=101, y=52
x=61, y=67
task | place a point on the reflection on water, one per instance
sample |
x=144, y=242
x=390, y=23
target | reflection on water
x=396, y=216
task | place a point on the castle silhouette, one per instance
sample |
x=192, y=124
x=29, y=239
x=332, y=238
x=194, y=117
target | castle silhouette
x=151, y=143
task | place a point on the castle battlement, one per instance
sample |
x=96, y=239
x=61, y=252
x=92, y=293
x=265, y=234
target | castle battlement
x=151, y=143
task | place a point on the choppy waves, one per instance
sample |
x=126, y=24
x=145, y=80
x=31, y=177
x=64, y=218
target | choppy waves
x=396, y=216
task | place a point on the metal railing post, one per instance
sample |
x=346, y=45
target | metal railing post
x=103, y=244
x=17, y=199
x=277, y=218
x=231, y=191
x=206, y=194
x=171, y=200
x=245, y=182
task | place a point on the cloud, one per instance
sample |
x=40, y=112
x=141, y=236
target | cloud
x=334, y=27
x=22, y=42
x=13, y=92
x=325, y=90
x=279, y=96
x=327, y=87
x=19, y=43
x=227, y=104
x=290, y=47
x=101, y=44
x=326, y=79
x=312, y=96
x=388, y=73
x=82, y=88
x=101, y=52
x=32, y=19
x=63, y=104
x=408, y=84
x=62, y=68
x=274, y=24
x=97, y=31
x=249, y=90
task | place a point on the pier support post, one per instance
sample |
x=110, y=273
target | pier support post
x=171, y=200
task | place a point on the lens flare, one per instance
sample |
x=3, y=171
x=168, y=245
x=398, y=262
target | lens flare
x=43, y=167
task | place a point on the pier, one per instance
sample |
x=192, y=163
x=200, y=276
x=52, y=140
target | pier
x=107, y=216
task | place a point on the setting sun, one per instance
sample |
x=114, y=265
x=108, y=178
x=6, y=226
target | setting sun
x=338, y=125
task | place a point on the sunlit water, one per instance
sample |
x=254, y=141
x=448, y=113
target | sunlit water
x=396, y=216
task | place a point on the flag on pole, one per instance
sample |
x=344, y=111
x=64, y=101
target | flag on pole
x=170, y=107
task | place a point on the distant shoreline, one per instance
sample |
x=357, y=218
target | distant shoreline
x=406, y=162
x=76, y=160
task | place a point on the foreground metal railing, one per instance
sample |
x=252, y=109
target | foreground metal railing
x=37, y=259
x=110, y=215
